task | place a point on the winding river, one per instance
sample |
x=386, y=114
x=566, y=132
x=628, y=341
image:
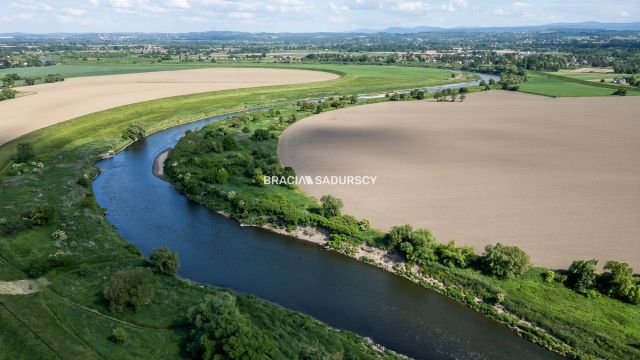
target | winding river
x=301, y=276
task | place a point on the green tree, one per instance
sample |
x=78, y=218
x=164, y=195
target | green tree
x=452, y=255
x=229, y=143
x=505, y=261
x=582, y=275
x=119, y=335
x=132, y=287
x=164, y=261
x=617, y=281
x=399, y=234
x=260, y=135
x=222, y=332
x=330, y=206
x=7, y=93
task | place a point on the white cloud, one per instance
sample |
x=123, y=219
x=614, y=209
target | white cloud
x=624, y=13
x=182, y=4
x=241, y=15
x=412, y=6
x=75, y=11
x=27, y=5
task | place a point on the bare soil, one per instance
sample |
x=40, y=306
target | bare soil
x=559, y=178
x=48, y=104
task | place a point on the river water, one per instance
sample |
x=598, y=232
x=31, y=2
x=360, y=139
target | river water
x=301, y=276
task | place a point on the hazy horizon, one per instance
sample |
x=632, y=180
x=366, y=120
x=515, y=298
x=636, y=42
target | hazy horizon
x=170, y=16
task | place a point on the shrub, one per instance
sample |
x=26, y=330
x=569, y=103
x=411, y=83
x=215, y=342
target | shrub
x=25, y=153
x=7, y=93
x=260, y=135
x=452, y=255
x=228, y=143
x=164, y=261
x=505, y=261
x=84, y=181
x=51, y=78
x=399, y=234
x=133, y=250
x=119, y=335
x=133, y=132
x=617, y=281
x=582, y=275
x=133, y=287
x=549, y=276
x=59, y=235
x=222, y=332
x=331, y=206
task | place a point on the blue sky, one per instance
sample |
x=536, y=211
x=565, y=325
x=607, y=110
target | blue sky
x=296, y=15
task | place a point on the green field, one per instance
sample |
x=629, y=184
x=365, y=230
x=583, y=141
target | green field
x=69, y=319
x=591, y=76
x=69, y=71
x=554, y=87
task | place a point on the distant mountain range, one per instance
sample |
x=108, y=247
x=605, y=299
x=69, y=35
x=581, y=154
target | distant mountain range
x=587, y=25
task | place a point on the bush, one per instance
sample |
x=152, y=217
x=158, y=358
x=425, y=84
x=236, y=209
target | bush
x=59, y=235
x=133, y=132
x=549, y=276
x=84, y=182
x=133, y=287
x=451, y=255
x=228, y=143
x=25, y=153
x=617, y=281
x=222, y=332
x=331, y=206
x=164, y=261
x=582, y=275
x=119, y=335
x=52, y=78
x=505, y=261
x=260, y=135
x=7, y=93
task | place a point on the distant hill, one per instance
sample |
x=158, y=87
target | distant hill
x=587, y=25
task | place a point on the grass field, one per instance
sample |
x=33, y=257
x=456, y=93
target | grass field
x=69, y=71
x=547, y=86
x=592, y=76
x=69, y=319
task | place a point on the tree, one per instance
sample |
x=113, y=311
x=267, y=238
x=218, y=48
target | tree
x=451, y=255
x=462, y=97
x=119, y=335
x=399, y=234
x=222, y=332
x=331, y=206
x=505, y=261
x=25, y=153
x=229, y=143
x=132, y=287
x=617, y=281
x=260, y=135
x=582, y=275
x=620, y=92
x=164, y=261
x=7, y=93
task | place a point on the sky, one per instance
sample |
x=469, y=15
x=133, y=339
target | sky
x=297, y=15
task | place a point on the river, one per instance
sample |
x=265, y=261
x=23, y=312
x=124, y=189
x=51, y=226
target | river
x=301, y=276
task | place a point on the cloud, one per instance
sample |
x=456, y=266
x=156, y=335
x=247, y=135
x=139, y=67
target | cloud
x=182, y=4
x=624, y=13
x=27, y=5
x=75, y=11
x=412, y=6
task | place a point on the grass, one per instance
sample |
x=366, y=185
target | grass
x=591, y=76
x=70, y=71
x=69, y=319
x=555, y=87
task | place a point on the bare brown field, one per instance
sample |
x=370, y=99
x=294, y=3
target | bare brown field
x=559, y=178
x=48, y=104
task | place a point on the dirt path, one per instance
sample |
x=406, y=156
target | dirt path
x=558, y=177
x=49, y=104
